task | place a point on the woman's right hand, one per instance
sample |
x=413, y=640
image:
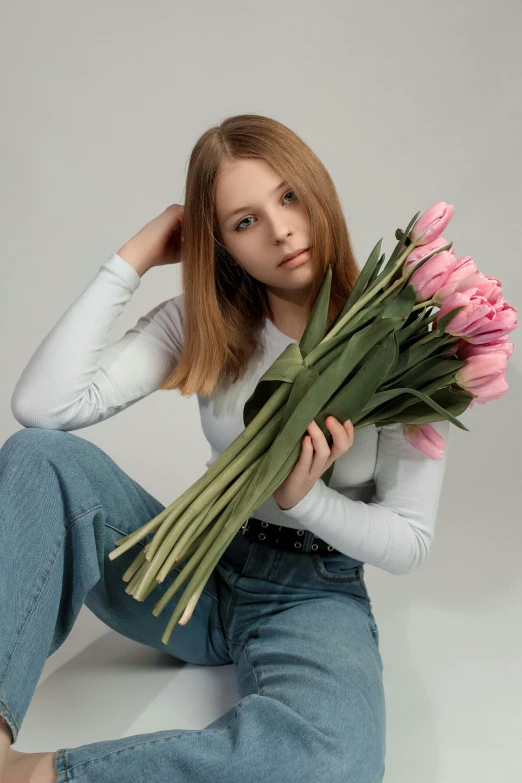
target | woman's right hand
x=159, y=242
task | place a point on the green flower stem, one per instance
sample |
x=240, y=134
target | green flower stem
x=188, y=554
x=192, y=548
x=220, y=542
x=235, y=457
x=224, y=498
x=131, y=587
x=137, y=563
x=191, y=568
x=207, y=557
x=179, y=520
x=230, y=523
x=427, y=303
x=396, y=284
x=149, y=527
x=166, y=557
x=318, y=350
x=147, y=578
x=185, y=540
x=273, y=404
x=369, y=295
x=180, y=608
x=193, y=531
x=257, y=446
x=323, y=347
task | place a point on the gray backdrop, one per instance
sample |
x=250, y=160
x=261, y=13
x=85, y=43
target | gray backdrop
x=406, y=103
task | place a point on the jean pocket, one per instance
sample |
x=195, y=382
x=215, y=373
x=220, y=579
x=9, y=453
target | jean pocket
x=336, y=567
x=339, y=569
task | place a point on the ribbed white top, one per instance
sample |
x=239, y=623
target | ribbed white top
x=381, y=505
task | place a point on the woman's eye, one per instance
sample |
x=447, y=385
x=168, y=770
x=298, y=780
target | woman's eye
x=240, y=227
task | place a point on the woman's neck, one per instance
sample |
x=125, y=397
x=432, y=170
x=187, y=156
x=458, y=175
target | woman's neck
x=288, y=316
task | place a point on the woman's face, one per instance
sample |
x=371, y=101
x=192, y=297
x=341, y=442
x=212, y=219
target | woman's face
x=260, y=222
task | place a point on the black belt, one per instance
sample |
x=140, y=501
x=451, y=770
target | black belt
x=287, y=538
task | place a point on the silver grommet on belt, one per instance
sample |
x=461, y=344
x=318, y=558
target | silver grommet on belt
x=261, y=536
x=315, y=546
x=264, y=524
x=330, y=548
x=297, y=545
x=300, y=532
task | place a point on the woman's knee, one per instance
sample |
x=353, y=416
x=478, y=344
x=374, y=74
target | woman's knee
x=36, y=435
x=26, y=441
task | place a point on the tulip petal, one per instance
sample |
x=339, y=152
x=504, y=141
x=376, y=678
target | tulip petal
x=426, y=439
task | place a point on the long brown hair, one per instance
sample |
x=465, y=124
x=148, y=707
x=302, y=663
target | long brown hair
x=224, y=306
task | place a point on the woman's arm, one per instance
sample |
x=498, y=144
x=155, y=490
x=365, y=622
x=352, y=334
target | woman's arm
x=395, y=530
x=74, y=379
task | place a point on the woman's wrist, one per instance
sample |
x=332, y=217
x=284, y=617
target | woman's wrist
x=134, y=255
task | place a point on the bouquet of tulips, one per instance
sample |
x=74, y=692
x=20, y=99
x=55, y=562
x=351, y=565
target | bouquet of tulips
x=386, y=358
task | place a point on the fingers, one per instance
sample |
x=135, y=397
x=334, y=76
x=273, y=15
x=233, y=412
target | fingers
x=321, y=447
x=307, y=453
x=342, y=437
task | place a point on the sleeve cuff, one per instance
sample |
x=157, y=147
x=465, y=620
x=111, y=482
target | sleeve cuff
x=303, y=510
x=126, y=273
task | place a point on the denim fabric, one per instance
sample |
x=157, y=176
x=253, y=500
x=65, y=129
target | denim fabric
x=298, y=627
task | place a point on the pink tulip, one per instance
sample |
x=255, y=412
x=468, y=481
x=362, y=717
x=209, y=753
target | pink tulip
x=432, y=275
x=484, y=373
x=420, y=252
x=504, y=321
x=481, y=370
x=488, y=287
x=503, y=306
x=476, y=313
x=432, y=223
x=425, y=439
x=466, y=350
x=465, y=266
x=490, y=391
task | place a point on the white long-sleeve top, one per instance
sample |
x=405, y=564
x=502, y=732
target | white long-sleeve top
x=381, y=505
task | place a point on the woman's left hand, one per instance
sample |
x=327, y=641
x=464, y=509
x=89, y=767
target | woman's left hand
x=316, y=457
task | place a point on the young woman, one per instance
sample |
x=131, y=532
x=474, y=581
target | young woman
x=287, y=602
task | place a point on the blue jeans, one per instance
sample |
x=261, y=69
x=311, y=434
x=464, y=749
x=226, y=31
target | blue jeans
x=298, y=627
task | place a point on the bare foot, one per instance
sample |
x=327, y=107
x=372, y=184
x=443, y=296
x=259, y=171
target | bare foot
x=29, y=767
x=5, y=741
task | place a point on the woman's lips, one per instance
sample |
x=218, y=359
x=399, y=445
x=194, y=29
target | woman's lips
x=296, y=260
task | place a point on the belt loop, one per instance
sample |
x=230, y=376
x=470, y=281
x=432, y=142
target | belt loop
x=307, y=542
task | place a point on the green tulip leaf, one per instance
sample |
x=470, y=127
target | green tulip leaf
x=316, y=326
x=453, y=400
x=361, y=283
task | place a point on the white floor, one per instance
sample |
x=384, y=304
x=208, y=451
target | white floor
x=452, y=671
